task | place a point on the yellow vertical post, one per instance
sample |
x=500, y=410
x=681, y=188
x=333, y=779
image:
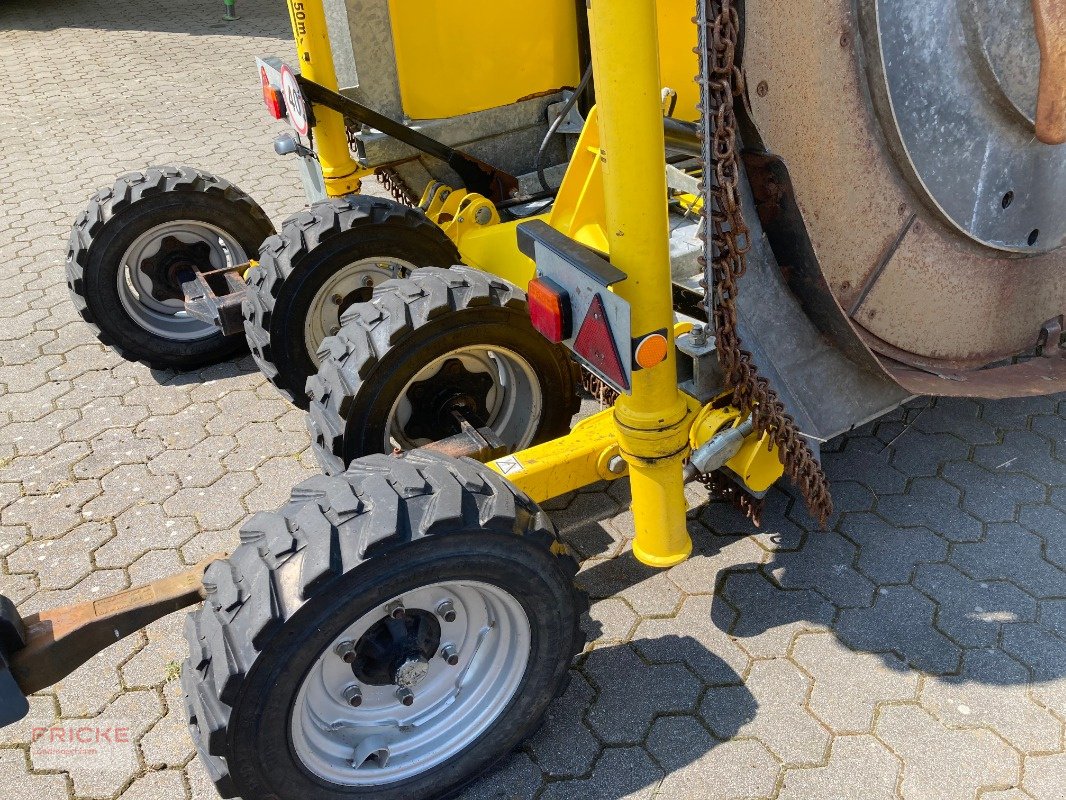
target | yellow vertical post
x=652, y=424
x=313, y=50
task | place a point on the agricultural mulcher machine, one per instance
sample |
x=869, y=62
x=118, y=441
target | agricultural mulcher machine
x=751, y=230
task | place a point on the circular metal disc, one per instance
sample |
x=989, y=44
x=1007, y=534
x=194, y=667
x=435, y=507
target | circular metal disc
x=961, y=79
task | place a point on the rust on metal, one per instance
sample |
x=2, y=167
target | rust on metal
x=480, y=444
x=59, y=640
x=1044, y=373
x=937, y=297
x=726, y=243
x=394, y=184
x=1050, y=17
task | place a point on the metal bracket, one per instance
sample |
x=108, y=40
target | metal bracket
x=602, y=331
x=537, y=232
x=573, y=123
x=699, y=374
x=480, y=444
x=223, y=311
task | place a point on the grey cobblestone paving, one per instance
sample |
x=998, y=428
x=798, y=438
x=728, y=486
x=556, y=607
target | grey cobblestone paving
x=917, y=650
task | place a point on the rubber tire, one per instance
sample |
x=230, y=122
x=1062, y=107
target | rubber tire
x=340, y=547
x=311, y=247
x=115, y=217
x=409, y=322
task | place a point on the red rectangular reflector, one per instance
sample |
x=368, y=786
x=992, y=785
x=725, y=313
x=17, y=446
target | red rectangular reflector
x=549, y=309
x=275, y=103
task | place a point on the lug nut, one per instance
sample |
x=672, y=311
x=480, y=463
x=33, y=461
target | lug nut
x=450, y=654
x=405, y=695
x=368, y=281
x=337, y=299
x=353, y=696
x=395, y=609
x=446, y=610
x=346, y=650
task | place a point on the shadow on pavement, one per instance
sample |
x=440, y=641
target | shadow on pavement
x=232, y=368
x=623, y=724
x=946, y=556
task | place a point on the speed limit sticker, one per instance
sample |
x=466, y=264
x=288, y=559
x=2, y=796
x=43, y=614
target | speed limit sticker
x=294, y=101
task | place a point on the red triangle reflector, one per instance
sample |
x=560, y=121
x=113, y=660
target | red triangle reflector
x=596, y=345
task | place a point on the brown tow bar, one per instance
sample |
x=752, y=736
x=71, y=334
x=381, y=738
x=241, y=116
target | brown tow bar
x=59, y=640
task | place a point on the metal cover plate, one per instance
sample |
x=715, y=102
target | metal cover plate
x=959, y=106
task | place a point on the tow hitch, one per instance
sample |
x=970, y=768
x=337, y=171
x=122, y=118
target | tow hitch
x=216, y=296
x=44, y=648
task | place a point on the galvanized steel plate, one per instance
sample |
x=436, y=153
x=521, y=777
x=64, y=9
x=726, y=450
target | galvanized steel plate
x=961, y=78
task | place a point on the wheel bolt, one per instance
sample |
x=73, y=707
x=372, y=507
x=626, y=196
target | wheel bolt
x=446, y=610
x=395, y=609
x=405, y=695
x=346, y=650
x=334, y=330
x=353, y=696
x=337, y=299
x=368, y=281
x=450, y=654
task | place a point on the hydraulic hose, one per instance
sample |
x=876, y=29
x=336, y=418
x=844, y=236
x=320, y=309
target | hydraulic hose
x=567, y=106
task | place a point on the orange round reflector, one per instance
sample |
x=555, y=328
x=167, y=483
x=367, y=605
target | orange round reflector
x=651, y=350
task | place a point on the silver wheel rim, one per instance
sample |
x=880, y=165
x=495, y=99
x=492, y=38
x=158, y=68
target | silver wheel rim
x=168, y=318
x=514, y=403
x=330, y=301
x=384, y=741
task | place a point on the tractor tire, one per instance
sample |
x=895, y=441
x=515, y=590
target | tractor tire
x=118, y=255
x=393, y=355
x=331, y=607
x=324, y=260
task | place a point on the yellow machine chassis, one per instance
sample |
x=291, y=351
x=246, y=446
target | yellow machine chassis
x=613, y=202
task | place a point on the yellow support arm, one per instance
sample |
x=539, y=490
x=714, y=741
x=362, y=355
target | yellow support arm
x=339, y=169
x=653, y=423
x=586, y=455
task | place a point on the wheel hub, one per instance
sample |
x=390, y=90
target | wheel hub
x=434, y=667
x=173, y=258
x=412, y=672
x=353, y=283
x=396, y=649
x=440, y=402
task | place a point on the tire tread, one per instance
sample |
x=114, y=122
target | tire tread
x=301, y=233
x=331, y=526
x=370, y=330
x=128, y=189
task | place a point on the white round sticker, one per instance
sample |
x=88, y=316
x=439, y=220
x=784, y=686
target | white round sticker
x=294, y=101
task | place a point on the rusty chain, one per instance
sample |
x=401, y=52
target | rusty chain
x=392, y=183
x=388, y=177
x=725, y=250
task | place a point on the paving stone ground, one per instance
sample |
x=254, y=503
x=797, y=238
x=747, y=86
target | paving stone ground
x=916, y=650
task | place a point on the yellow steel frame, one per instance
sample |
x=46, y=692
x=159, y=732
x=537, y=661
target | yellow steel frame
x=612, y=200
x=651, y=426
x=341, y=172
